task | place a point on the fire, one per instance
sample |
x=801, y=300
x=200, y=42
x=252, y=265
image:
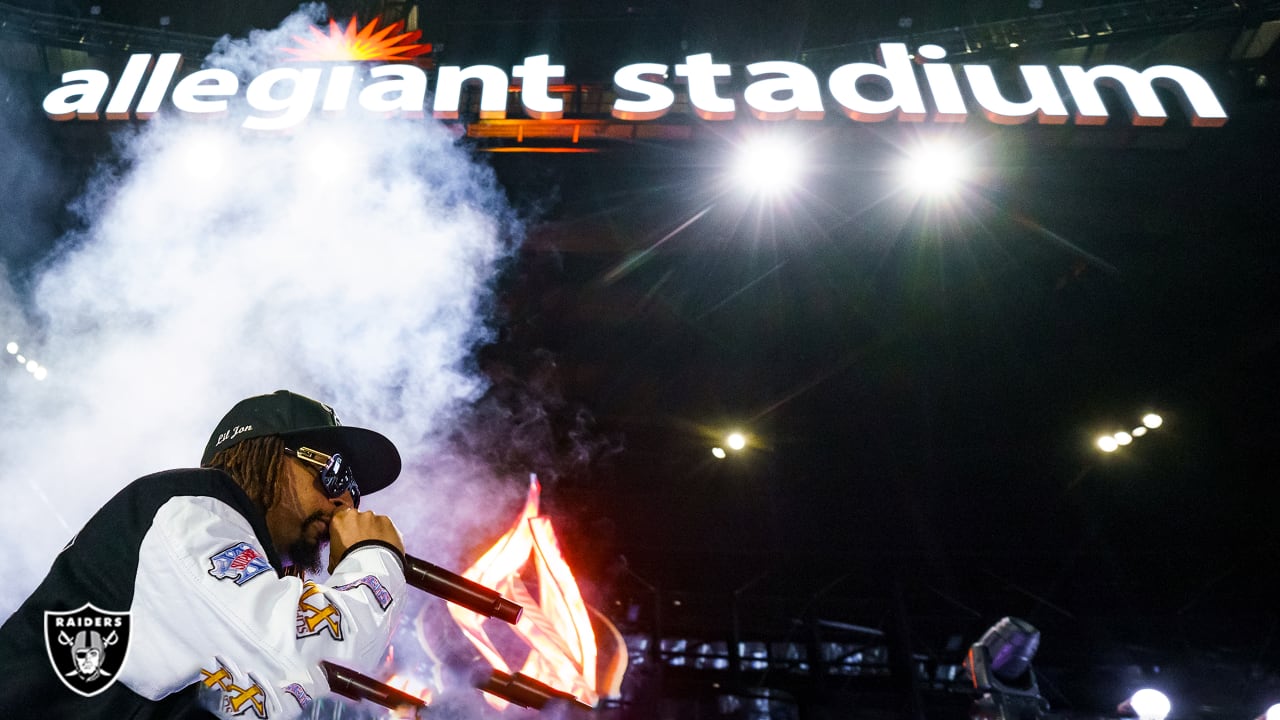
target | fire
x=411, y=686
x=555, y=625
x=345, y=45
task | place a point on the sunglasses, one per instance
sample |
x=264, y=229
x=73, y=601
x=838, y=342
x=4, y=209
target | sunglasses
x=335, y=474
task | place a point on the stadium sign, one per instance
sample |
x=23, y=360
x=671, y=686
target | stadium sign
x=367, y=70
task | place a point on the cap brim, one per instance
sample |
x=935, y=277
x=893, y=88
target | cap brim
x=374, y=459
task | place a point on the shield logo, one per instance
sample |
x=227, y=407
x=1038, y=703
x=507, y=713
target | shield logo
x=87, y=647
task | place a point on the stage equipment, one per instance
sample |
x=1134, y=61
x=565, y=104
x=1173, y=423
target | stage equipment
x=459, y=590
x=351, y=684
x=1146, y=704
x=526, y=692
x=999, y=665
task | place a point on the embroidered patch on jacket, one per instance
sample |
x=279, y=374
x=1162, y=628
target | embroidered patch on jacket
x=87, y=646
x=381, y=594
x=316, y=614
x=300, y=694
x=236, y=698
x=240, y=562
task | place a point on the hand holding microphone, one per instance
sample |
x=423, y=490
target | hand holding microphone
x=349, y=527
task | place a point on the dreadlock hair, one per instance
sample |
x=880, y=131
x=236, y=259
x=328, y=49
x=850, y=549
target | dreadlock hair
x=255, y=465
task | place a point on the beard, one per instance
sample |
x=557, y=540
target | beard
x=305, y=552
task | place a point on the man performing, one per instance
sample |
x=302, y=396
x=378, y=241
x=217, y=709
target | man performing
x=198, y=575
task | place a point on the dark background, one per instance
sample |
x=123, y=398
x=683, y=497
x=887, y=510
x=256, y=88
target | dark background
x=922, y=382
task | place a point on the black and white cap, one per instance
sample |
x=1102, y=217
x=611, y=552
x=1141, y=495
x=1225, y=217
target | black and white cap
x=305, y=422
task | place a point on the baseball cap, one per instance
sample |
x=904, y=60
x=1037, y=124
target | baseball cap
x=303, y=421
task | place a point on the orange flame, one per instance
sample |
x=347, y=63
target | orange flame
x=411, y=686
x=349, y=45
x=555, y=626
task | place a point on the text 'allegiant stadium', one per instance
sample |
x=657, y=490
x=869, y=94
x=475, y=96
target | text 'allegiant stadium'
x=901, y=86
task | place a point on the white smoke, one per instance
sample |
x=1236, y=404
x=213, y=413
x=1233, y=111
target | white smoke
x=350, y=260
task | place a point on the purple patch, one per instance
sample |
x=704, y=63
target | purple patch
x=375, y=586
x=299, y=694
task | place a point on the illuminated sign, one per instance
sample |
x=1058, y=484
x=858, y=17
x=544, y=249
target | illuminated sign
x=904, y=86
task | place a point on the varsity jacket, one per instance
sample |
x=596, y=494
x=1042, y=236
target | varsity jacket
x=213, y=628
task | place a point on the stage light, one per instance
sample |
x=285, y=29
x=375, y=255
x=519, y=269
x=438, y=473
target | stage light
x=999, y=665
x=736, y=441
x=38, y=371
x=935, y=168
x=769, y=165
x=1272, y=713
x=1113, y=442
x=718, y=452
x=1010, y=645
x=1146, y=704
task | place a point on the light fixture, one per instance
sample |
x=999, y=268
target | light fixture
x=718, y=452
x=1146, y=704
x=34, y=368
x=736, y=441
x=999, y=665
x=1114, y=441
x=935, y=168
x=1272, y=713
x=769, y=165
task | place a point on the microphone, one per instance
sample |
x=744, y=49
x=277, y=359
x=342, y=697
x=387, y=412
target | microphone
x=456, y=589
x=526, y=692
x=351, y=684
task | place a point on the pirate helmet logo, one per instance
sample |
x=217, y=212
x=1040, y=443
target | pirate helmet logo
x=87, y=647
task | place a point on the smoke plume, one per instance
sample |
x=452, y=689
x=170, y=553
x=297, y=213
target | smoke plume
x=350, y=259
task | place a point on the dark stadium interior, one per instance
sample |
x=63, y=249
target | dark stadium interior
x=921, y=385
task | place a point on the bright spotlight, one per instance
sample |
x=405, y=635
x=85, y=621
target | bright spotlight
x=41, y=373
x=1139, y=431
x=1147, y=704
x=32, y=366
x=769, y=165
x=935, y=168
x=718, y=452
x=1107, y=444
x=1123, y=438
x=12, y=348
x=736, y=441
x=1152, y=420
x=1272, y=713
x=22, y=360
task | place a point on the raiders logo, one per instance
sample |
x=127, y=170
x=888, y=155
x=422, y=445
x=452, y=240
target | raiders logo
x=87, y=647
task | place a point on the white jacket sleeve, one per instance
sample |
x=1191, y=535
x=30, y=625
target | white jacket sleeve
x=208, y=608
